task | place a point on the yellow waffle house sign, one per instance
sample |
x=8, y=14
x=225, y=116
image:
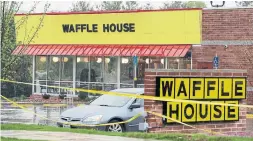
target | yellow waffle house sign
x=218, y=90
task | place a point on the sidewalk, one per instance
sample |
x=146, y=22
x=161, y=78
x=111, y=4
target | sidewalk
x=62, y=136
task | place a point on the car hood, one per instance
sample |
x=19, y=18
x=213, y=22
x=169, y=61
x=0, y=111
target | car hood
x=87, y=110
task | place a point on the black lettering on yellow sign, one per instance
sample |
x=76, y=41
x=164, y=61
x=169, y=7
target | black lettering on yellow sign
x=191, y=112
x=188, y=112
x=174, y=111
x=202, y=88
x=204, y=111
x=239, y=88
x=225, y=88
x=167, y=87
x=217, y=111
x=231, y=112
x=182, y=88
x=211, y=88
x=196, y=88
x=113, y=27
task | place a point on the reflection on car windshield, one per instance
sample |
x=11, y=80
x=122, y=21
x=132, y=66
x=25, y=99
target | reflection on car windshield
x=109, y=100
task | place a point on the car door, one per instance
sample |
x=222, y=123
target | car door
x=134, y=125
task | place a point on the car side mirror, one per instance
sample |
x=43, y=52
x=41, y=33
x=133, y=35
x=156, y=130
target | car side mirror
x=135, y=105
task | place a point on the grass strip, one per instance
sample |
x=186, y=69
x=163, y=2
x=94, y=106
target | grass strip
x=156, y=136
x=15, y=139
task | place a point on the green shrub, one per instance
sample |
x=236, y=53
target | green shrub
x=46, y=96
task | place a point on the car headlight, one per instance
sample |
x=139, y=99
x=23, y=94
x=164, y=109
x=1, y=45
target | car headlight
x=92, y=120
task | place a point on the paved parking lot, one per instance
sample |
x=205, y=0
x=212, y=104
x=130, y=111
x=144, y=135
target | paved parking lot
x=62, y=136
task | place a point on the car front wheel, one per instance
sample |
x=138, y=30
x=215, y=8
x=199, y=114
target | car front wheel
x=115, y=127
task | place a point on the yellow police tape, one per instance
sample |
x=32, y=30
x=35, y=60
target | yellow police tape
x=163, y=116
x=25, y=105
x=249, y=116
x=107, y=124
x=54, y=105
x=67, y=123
x=134, y=95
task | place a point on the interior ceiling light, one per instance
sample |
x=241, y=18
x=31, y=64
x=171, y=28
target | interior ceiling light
x=78, y=59
x=99, y=60
x=162, y=61
x=65, y=59
x=43, y=59
x=148, y=60
x=125, y=60
x=55, y=59
x=86, y=59
x=107, y=60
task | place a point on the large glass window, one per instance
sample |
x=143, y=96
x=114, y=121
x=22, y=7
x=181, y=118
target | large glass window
x=96, y=73
x=110, y=73
x=180, y=62
x=82, y=73
x=126, y=72
x=66, y=74
x=155, y=62
x=40, y=74
x=53, y=74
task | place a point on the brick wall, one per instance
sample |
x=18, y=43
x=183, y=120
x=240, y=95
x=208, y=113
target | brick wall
x=250, y=99
x=227, y=24
x=156, y=123
x=234, y=57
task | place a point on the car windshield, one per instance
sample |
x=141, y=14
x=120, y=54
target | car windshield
x=111, y=101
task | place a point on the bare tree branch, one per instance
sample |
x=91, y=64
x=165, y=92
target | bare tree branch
x=10, y=62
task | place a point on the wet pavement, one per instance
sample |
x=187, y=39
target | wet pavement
x=63, y=136
x=10, y=114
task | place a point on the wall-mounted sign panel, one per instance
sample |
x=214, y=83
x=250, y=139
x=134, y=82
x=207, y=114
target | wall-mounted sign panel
x=153, y=27
x=224, y=90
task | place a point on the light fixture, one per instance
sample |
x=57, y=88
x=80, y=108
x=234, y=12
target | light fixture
x=86, y=59
x=78, y=59
x=148, y=60
x=55, y=59
x=65, y=59
x=43, y=59
x=99, y=60
x=162, y=61
x=124, y=60
x=107, y=60
x=177, y=60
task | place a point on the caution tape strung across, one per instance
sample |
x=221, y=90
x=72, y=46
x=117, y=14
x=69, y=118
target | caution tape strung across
x=107, y=124
x=163, y=116
x=67, y=123
x=134, y=96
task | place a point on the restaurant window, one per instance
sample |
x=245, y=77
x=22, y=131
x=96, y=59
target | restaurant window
x=126, y=72
x=180, y=62
x=66, y=68
x=82, y=73
x=110, y=73
x=40, y=74
x=173, y=63
x=96, y=73
x=140, y=72
x=53, y=74
x=155, y=62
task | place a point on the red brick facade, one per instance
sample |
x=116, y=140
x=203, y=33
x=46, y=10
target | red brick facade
x=232, y=25
x=220, y=27
x=156, y=124
x=227, y=24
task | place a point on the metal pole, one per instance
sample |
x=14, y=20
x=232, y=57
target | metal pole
x=118, y=72
x=74, y=74
x=33, y=74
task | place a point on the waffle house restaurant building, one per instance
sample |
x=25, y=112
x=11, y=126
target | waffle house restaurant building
x=97, y=50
